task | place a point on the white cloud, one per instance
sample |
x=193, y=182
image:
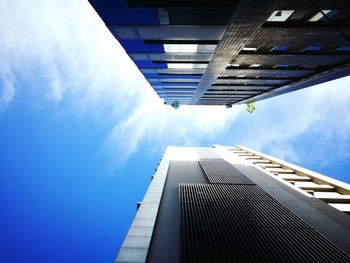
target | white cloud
x=63, y=51
x=162, y=126
x=318, y=115
x=285, y=152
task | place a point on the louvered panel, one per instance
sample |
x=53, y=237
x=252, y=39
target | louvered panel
x=218, y=171
x=311, y=183
x=242, y=223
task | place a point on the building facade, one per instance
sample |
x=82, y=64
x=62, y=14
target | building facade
x=228, y=52
x=234, y=204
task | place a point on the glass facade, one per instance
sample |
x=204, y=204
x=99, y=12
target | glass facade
x=184, y=48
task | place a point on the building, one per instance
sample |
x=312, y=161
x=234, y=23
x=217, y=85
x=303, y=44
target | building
x=228, y=52
x=234, y=204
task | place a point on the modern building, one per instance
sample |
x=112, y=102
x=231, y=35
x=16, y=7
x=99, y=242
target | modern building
x=228, y=52
x=234, y=204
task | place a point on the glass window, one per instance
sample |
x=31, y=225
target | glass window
x=186, y=48
x=344, y=48
x=282, y=66
x=312, y=48
x=280, y=15
x=320, y=16
x=180, y=65
x=279, y=48
x=249, y=49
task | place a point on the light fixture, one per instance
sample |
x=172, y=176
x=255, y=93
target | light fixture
x=181, y=48
x=280, y=15
x=180, y=65
x=319, y=16
x=249, y=49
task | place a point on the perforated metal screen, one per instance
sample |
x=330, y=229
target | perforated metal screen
x=242, y=223
x=219, y=171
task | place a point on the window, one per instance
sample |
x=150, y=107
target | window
x=249, y=49
x=185, y=48
x=206, y=48
x=163, y=16
x=322, y=16
x=312, y=48
x=279, y=48
x=344, y=48
x=180, y=65
x=280, y=15
x=282, y=66
x=186, y=65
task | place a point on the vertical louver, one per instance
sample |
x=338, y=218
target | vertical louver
x=242, y=223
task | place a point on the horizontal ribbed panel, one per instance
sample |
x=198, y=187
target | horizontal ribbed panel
x=242, y=223
x=219, y=171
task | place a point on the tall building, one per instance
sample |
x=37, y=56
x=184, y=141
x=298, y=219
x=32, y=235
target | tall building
x=234, y=204
x=228, y=52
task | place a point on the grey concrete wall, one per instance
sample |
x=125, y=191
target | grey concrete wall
x=165, y=243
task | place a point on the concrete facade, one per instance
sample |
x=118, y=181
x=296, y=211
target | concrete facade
x=226, y=204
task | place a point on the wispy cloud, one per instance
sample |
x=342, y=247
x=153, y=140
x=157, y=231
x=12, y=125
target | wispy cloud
x=76, y=62
x=64, y=52
x=163, y=126
x=7, y=88
x=305, y=125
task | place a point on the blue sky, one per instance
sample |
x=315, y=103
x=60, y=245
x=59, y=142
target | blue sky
x=81, y=132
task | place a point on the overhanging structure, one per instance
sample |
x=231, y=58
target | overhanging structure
x=228, y=52
x=234, y=204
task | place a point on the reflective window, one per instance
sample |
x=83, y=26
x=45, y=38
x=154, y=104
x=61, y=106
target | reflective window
x=324, y=15
x=279, y=48
x=344, y=48
x=186, y=48
x=280, y=15
x=282, y=66
x=249, y=49
x=312, y=48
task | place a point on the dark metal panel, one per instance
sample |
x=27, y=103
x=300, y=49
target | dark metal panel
x=317, y=79
x=251, y=72
x=165, y=243
x=293, y=60
x=173, y=80
x=181, y=3
x=238, y=97
x=173, y=71
x=219, y=171
x=199, y=15
x=242, y=223
x=239, y=88
x=240, y=92
x=168, y=32
x=330, y=222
